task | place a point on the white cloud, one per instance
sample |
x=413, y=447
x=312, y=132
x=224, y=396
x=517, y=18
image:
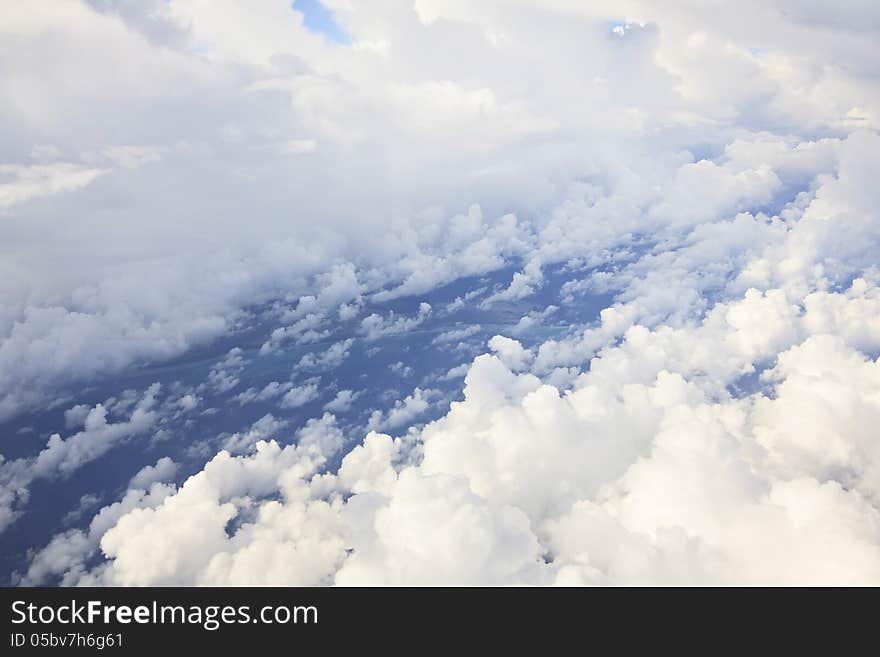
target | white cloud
x=403, y=412
x=65, y=455
x=401, y=369
x=199, y=550
x=62, y=456
x=300, y=395
x=163, y=470
x=533, y=319
x=457, y=334
x=375, y=326
x=342, y=401
x=20, y=183
x=456, y=372
x=511, y=352
x=522, y=285
x=267, y=393
x=267, y=427
x=709, y=167
x=329, y=359
x=223, y=377
x=647, y=470
x=67, y=553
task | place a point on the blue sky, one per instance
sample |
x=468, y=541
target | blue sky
x=317, y=18
x=488, y=296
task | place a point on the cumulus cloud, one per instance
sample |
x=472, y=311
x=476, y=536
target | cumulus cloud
x=199, y=550
x=266, y=428
x=511, y=352
x=186, y=281
x=22, y=183
x=223, y=377
x=329, y=359
x=535, y=319
x=300, y=395
x=708, y=174
x=403, y=412
x=67, y=553
x=457, y=372
x=522, y=285
x=342, y=401
x=376, y=326
x=62, y=456
x=163, y=470
x=267, y=393
x=650, y=468
x=457, y=334
x=401, y=369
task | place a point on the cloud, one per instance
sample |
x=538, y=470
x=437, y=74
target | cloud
x=707, y=174
x=375, y=326
x=650, y=468
x=223, y=377
x=457, y=372
x=65, y=455
x=300, y=395
x=511, y=352
x=67, y=553
x=267, y=393
x=403, y=412
x=121, y=306
x=401, y=369
x=534, y=319
x=342, y=401
x=430, y=516
x=22, y=183
x=329, y=359
x=455, y=335
x=523, y=284
x=201, y=551
x=62, y=456
x=266, y=428
x=164, y=470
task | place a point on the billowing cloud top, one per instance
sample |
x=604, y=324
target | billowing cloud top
x=645, y=234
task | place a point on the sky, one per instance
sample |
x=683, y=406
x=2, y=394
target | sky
x=317, y=18
x=439, y=292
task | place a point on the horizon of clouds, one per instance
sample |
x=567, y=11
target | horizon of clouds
x=710, y=168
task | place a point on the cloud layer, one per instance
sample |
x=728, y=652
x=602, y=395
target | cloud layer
x=707, y=172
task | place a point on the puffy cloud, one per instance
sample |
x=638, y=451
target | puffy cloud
x=434, y=530
x=303, y=331
x=647, y=470
x=403, y=412
x=23, y=183
x=456, y=372
x=268, y=392
x=67, y=553
x=300, y=395
x=223, y=377
x=703, y=167
x=266, y=428
x=457, y=334
x=637, y=475
x=62, y=456
x=342, y=401
x=502, y=139
x=511, y=352
x=329, y=359
x=401, y=369
x=375, y=326
x=295, y=539
x=819, y=422
x=163, y=470
x=522, y=285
